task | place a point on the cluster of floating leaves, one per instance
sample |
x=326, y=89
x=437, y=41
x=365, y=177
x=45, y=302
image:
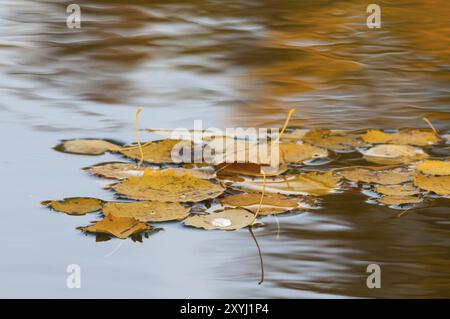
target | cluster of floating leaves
x=396, y=169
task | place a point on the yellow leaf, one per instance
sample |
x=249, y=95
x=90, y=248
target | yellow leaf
x=76, y=205
x=229, y=219
x=168, y=186
x=147, y=211
x=437, y=184
x=310, y=183
x=431, y=167
x=333, y=140
x=87, y=147
x=397, y=190
x=398, y=200
x=249, y=169
x=394, y=154
x=405, y=136
x=116, y=170
x=298, y=153
x=120, y=227
x=227, y=150
x=271, y=204
x=163, y=151
x=383, y=177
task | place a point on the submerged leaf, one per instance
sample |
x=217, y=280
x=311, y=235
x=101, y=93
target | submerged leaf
x=87, y=147
x=229, y=219
x=405, y=136
x=310, y=183
x=168, y=186
x=398, y=200
x=394, y=154
x=333, y=140
x=163, y=151
x=431, y=167
x=383, y=177
x=397, y=190
x=298, y=153
x=75, y=205
x=147, y=211
x=271, y=204
x=120, y=227
x=437, y=184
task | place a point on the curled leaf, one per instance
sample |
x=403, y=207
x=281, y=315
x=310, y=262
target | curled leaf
x=87, y=147
x=168, y=186
x=229, y=219
x=75, y=205
x=432, y=167
x=394, y=154
x=383, y=177
x=147, y=211
x=437, y=184
x=120, y=227
x=403, y=137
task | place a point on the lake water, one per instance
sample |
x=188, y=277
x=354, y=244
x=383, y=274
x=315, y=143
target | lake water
x=228, y=63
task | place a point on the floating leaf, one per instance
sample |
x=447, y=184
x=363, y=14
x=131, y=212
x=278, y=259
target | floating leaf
x=437, y=184
x=168, y=186
x=394, y=154
x=432, y=167
x=120, y=227
x=298, y=153
x=250, y=169
x=120, y=170
x=383, y=177
x=397, y=190
x=147, y=211
x=272, y=203
x=116, y=170
x=310, y=183
x=87, y=147
x=405, y=136
x=296, y=134
x=333, y=140
x=398, y=200
x=75, y=205
x=163, y=151
x=227, y=150
x=229, y=219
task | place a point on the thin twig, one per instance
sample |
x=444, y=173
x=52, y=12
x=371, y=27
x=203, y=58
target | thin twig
x=260, y=256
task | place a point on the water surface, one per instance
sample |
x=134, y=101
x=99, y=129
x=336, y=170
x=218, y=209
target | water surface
x=233, y=63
